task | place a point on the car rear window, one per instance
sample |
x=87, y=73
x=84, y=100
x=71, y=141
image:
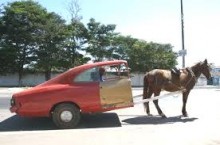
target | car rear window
x=88, y=76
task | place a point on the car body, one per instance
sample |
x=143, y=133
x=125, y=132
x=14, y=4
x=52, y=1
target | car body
x=76, y=91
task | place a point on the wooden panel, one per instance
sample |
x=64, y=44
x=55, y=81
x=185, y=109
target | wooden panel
x=116, y=93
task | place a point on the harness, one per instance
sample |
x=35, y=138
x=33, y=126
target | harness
x=192, y=74
x=193, y=77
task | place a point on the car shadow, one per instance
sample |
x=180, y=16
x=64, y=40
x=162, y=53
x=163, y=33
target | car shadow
x=17, y=123
x=156, y=120
x=100, y=120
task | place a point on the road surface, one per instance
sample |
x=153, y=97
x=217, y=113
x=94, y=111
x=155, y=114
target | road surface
x=128, y=126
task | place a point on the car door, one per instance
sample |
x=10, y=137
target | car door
x=115, y=90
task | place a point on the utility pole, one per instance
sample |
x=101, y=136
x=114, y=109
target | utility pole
x=182, y=26
x=183, y=52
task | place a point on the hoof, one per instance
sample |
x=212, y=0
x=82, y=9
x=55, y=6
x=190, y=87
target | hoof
x=185, y=115
x=163, y=115
x=148, y=114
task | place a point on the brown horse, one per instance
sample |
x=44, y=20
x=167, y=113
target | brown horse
x=158, y=79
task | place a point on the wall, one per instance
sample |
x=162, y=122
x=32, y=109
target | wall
x=35, y=79
x=27, y=80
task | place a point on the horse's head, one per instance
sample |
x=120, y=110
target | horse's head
x=205, y=69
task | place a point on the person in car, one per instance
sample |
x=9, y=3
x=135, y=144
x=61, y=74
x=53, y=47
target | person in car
x=101, y=73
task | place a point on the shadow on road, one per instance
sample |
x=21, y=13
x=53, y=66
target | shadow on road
x=100, y=120
x=157, y=120
x=16, y=123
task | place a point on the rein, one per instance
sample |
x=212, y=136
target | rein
x=193, y=76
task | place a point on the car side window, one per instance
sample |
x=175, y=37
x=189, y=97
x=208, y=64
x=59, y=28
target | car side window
x=103, y=73
x=89, y=75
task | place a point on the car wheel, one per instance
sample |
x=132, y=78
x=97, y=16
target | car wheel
x=66, y=116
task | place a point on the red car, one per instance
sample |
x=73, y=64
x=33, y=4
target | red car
x=89, y=88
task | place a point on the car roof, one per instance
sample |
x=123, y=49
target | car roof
x=64, y=78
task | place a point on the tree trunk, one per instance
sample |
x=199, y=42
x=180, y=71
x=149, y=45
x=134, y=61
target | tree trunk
x=47, y=75
x=20, y=75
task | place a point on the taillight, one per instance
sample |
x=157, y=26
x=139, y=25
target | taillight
x=12, y=101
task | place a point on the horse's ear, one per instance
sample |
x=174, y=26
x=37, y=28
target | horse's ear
x=205, y=61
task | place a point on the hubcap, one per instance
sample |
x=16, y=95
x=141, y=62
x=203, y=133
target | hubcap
x=66, y=116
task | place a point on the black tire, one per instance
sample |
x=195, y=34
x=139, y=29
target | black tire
x=66, y=116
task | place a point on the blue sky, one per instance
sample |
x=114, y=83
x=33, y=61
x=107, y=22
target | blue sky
x=157, y=21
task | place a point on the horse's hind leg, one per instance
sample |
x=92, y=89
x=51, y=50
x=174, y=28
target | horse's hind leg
x=156, y=103
x=146, y=104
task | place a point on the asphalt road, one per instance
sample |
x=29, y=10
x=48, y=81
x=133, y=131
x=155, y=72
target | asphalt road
x=125, y=126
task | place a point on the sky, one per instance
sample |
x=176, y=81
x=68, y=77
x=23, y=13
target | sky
x=157, y=21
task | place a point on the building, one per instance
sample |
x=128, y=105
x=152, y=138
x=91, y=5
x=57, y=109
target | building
x=216, y=75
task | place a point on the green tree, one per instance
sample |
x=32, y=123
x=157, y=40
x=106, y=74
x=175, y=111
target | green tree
x=145, y=56
x=74, y=44
x=77, y=38
x=7, y=59
x=18, y=28
x=51, y=34
x=122, y=45
x=163, y=57
x=139, y=56
x=100, y=38
x=32, y=37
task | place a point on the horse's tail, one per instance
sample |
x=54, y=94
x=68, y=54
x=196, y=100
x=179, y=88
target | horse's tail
x=146, y=85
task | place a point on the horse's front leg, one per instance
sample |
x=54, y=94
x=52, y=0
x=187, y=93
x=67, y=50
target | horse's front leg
x=185, y=97
x=156, y=103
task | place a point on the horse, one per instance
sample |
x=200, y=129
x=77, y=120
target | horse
x=161, y=79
